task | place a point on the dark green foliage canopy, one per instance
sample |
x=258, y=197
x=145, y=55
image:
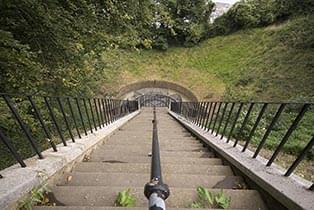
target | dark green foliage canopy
x=56, y=37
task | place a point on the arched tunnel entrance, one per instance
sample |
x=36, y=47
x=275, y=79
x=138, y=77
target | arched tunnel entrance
x=156, y=93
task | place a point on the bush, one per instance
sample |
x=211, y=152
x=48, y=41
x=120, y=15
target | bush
x=160, y=43
x=258, y=13
x=245, y=14
x=299, y=33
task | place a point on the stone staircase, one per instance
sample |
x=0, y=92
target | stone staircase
x=123, y=162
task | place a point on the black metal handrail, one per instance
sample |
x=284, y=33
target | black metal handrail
x=77, y=115
x=155, y=190
x=218, y=116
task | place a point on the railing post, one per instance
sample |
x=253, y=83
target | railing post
x=155, y=190
x=300, y=157
x=73, y=117
x=289, y=132
x=222, y=117
x=227, y=121
x=101, y=112
x=97, y=112
x=258, y=119
x=18, y=118
x=42, y=123
x=87, y=114
x=92, y=113
x=54, y=120
x=269, y=129
x=204, y=115
x=212, y=116
x=105, y=111
x=216, y=118
x=234, y=124
x=12, y=149
x=67, y=124
x=246, y=118
x=208, y=116
x=81, y=115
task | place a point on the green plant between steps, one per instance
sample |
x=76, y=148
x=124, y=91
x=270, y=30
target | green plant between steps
x=38, y=196
x=206, y=198
x=125, y=199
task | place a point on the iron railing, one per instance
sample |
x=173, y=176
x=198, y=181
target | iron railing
x=241, y=120
x=53, y=119
x=155, y=190
x=155, y=100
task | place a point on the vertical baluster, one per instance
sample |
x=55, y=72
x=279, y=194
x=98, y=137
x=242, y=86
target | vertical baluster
x=198, y=106
x=200, y=114
x=113, y=111
x=119, y=108
x=65, y=118
x=73, y=117
x=97, y=113
x=101, y=112
x=81, y=115
x=227, y=121
x=87, y=114
x=105, y=111
x=92, y=113
x=289, y=132
x=54, y=120
x=208, y=116
x=191, y=111
x=204, y=115
x=18, y=118
x=109, y=110
x=269, y=129
x=307, y=148
x=260, y=115
x=234, y=123
x=217, y=115
x=222, y=117
x=246, y=118
x=212, y=116
x=12, y=149
x=45, y=129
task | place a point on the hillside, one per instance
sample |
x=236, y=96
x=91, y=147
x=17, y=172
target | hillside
x=270, y=63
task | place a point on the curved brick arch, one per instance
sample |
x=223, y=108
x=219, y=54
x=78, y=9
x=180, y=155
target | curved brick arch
x=133, y=90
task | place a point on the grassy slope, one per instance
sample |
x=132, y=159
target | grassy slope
x=252, y=63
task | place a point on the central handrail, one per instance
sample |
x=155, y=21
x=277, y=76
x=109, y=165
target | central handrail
x=155, y=190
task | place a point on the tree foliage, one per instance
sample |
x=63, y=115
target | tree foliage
x=257, y=13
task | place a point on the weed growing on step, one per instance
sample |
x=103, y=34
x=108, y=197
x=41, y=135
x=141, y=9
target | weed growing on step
x=38, y=196
x=125, y=199
x=206, y=199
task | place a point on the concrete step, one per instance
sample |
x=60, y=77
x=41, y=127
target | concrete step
x=107, y=158
x=180, y=197
x=107, y=208
x=149, y=143
x=121, y=149
x=148, y=136
x=145, y=168
x=144, y=153
x=139, y=180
